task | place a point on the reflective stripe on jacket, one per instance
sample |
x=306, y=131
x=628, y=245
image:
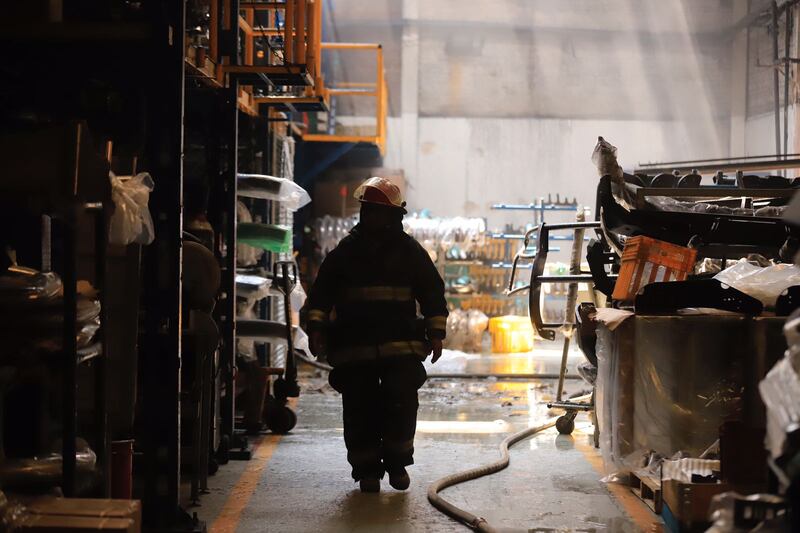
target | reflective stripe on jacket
x=370, y=289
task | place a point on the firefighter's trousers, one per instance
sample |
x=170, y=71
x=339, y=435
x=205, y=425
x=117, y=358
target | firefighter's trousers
x=379, y=400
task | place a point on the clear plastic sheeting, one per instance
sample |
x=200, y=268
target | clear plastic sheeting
x=762, y=283
x=32, y=314
x=37, y=472
x=251, y=287
x=290, y=194
x=246, y=347
x=21, y=286
x=604, y=157
x=301, y=342
x=711, y=266
x=666, y=203
x=616, y=431
x=683, y=469
x=667, y=383
x=465, y=330
x=131, y=221
x=297, y=298
x=780, y=390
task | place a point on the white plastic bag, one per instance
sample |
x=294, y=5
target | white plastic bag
x=298, y=297
x=131, y=221
x=267, y=187
x=764, y=284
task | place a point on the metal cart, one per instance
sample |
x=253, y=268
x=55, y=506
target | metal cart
x=565, y=423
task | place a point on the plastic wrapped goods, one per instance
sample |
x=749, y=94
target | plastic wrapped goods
x=667, y=383
x=251, y=287
x=290, y=194
x=246, y=255
x=329, y=230
x=131, y=221
x=465, y=330
x=44, y=471
x=780, y=390
x=276, y=239
x=22, y=286
x=604, y=157
x=762, y=283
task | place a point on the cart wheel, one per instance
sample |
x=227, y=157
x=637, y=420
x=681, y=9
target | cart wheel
x=224, y=450
x=565, y=424
x=281, y=419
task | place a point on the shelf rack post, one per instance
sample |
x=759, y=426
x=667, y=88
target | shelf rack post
x=101, y=445
x=70, y=349
x=160, y=347
x=227, y=312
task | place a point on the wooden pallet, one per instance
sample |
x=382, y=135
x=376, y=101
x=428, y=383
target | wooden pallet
x=647, y=490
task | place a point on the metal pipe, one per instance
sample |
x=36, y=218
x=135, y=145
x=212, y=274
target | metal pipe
x=775, y=164
x=572, y=297
x=288, y=33
x=350, y=46
x=776, y=81
x=667, y=164
x=300, y=33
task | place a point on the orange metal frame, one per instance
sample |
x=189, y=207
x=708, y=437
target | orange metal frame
x=302, y=55
x=301, y=31
x=376, y=89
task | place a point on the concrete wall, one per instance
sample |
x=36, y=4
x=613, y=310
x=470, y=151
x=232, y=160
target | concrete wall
x=760, y=133
x=502, y=101
x=466, y=165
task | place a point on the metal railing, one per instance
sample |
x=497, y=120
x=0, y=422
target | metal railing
x=371, y=89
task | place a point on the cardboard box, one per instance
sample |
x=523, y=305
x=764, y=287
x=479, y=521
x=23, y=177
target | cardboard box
x=686, y=505
x=88, y=508
x=34, y=523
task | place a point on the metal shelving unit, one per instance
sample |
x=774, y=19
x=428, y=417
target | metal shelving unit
x=53, y=195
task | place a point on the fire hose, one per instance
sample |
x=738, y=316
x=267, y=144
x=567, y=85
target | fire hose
x=475, y=522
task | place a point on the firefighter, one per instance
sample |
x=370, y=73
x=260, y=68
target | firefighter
x=362, y=313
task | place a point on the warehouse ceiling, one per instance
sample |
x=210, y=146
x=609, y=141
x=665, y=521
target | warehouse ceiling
x=618, y=59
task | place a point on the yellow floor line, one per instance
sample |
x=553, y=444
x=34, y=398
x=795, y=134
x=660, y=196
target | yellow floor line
x=642, y=516
x=240, y=494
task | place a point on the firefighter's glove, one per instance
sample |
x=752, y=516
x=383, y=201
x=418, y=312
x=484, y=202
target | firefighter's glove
x=317, y=343
x=436, y=346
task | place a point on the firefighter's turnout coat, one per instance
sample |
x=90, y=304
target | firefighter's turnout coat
x=369, y=293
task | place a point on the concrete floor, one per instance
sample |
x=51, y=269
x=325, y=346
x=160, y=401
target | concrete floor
x=301, y=482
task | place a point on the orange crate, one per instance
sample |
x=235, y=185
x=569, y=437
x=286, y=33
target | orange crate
x=646, y=260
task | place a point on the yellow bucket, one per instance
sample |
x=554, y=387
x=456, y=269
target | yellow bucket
x=511, y=334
